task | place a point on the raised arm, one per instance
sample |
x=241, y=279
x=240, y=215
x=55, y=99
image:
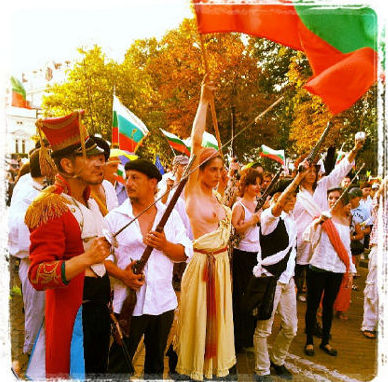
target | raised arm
x=199, y=126
x=282, y=200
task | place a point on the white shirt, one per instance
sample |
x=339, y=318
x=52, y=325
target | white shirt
x=110, y=195
x=325, y=256
x=22, y=187
x=19, y=234
x=250, y=241
x=301, y=215
x=157, y=295
x=268, y=224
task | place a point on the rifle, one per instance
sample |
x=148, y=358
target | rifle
x=314, y=152
x=268, y=190
x=124, y=318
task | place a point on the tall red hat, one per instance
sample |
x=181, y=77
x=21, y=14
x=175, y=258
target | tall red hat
x=68, y=135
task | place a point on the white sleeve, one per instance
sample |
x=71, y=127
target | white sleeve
x=268, y=222
x=339, y=172
x=110, y=194
x=109, y=225
x=18, y=234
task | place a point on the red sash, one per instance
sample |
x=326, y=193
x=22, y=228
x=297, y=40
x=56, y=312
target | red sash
x=335, y=240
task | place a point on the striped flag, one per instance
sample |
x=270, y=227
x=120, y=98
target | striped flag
x=128, y=130
x=176, y=143
x=208, y=140
x=120, y=175
x=276, y=155
x=19, y=94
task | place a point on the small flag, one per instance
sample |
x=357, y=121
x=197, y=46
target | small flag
x=159, y=165
x=120, y=175
x=208, y=140
x=127, y=130
x=19, y=94
x=276, y=155
x=176, y=143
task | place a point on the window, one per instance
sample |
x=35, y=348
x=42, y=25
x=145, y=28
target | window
x=16, y=145
x=23, y=146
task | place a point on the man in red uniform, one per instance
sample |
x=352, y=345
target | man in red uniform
x=67, y=251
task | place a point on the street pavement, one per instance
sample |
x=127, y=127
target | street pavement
x=356, y=359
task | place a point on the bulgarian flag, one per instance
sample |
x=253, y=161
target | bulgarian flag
x=120, y=175
x=208, y=140
x=340, y=42
x=176, y=143
x=128, y=131
x=276, y=155
x=19, y=94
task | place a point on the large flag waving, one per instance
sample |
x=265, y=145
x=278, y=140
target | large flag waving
x=128, y=130
x=340, y=42
x=19, y=94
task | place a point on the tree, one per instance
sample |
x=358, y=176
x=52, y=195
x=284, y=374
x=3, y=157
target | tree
x=89, y=86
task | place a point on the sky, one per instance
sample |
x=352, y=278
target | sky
x=39, y=31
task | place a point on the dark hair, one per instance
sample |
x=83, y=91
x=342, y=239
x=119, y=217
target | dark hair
x=345, y=199
x=339, y=189
x=248, y=178
x=34, y=164
x=25, y=169
x=57, y=160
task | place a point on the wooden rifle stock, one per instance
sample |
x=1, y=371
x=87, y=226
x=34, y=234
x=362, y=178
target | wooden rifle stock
x=263, y=198
x=314, y=152
x=129, y=303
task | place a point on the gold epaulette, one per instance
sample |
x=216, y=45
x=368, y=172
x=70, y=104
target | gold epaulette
x=46, y=206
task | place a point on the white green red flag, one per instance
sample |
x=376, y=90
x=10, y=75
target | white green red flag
x=19, y=94
x=276, y=155
x=176, y=143
x=128, y=130
x=208, y=140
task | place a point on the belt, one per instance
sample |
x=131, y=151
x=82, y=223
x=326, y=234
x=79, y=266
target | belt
x=210, y=252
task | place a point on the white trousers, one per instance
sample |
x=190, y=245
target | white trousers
x=285, y=305
x=34, y=305
x=371, y=300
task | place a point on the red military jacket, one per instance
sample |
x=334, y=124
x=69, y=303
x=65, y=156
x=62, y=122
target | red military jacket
x=55, y=237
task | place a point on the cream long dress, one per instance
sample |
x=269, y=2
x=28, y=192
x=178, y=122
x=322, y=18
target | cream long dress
x=192, y=317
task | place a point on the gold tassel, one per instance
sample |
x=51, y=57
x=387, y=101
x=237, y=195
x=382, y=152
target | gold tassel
x=82, y=132
x=46, y=163
x=46, y=206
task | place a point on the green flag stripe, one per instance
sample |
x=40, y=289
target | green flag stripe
x=129, y=129
x=18, y=87
x=345, y=28
x=115, y=122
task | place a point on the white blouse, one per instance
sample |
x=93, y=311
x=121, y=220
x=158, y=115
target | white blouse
x=325, y=256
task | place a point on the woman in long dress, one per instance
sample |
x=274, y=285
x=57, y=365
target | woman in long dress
x=205, y=342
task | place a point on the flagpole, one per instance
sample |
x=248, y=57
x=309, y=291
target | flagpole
x=212, y=106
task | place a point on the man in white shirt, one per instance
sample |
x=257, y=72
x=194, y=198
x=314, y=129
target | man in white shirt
x=19, y=244
x=156, y=299
x=278, y=252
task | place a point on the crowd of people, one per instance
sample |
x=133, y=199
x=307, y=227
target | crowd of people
x=80, y=235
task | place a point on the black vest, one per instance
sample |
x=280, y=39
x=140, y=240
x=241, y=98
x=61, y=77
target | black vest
x=273, y=243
